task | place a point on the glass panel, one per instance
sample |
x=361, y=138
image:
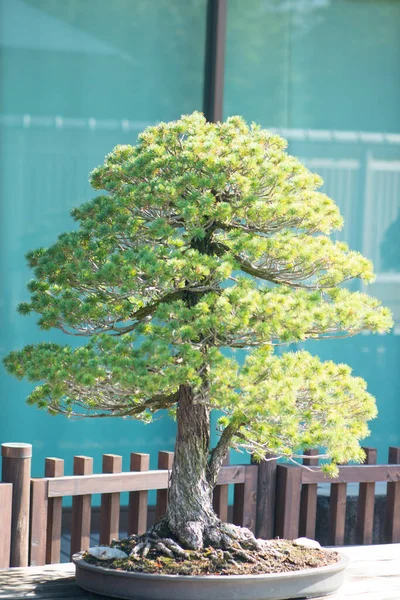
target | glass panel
x=326, y=75
x=77, y=78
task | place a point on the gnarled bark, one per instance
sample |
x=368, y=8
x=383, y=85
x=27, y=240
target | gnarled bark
x=190, y=513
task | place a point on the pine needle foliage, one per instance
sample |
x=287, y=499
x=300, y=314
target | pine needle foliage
x=205, y=237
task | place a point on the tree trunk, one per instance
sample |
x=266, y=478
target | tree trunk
x=190, y=519
x=190, y=515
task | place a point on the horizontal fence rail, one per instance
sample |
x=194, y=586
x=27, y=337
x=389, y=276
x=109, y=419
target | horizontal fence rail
x=78, y=485
x=351, y=474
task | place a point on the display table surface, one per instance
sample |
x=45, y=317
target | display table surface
x=373, y=574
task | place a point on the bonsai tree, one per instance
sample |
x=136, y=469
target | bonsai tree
x=209, y=238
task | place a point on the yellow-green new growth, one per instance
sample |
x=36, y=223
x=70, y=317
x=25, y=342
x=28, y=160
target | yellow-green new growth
x=209, y=236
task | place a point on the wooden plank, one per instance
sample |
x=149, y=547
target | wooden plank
x=38, y=534
x=220, y=496
x=392, y=511
x=354, y=474
x=16, y=469
x=107, y=483
x=81, y=508
x=308, y=502
x=266, y=492
x=138, y=501
x=110, y=503
x=245, y=499
x=165, y=461
x=54, y=467
x=46, y=582
x=337, y=514
x=126, y=482
x=5, y=524
x=250, y=497
x=65, y=588
x=366, y=504
x=238, y=504
x=288, y=493
x=233, y=474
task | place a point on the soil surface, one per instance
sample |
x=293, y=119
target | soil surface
x=278, y=557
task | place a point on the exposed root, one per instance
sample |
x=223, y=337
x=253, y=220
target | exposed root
x=227, y=536
x=221, y=543
x=239, y=542
x=157, y=540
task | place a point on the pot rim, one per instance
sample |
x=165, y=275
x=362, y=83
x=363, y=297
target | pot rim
x=338, y=566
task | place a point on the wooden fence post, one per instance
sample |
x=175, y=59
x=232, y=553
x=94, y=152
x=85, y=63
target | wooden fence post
x=288, y=494
x=17, y=470
x=366, y=503
x=308, y=502
x=337, y=514
x=392, y=512
x=245, y=499
x=110, y=503
x=54, y=467
x=39, y=506
x=138, y=501
x=250, y=497
x=5, y=524
x=220, y=496
x=165, y=461
x=266, y=492
x=81, y=508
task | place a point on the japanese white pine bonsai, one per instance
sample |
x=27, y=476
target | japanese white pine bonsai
x=209, y=238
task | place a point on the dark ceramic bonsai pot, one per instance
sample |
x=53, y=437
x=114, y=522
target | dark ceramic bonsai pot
x=308, y=583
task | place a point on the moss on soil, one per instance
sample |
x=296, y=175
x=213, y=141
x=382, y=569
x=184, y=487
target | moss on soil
x=209, y=561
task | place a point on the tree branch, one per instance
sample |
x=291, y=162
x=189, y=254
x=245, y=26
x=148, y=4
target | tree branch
x=138, y=316
x=219, y=452
x=157, y=402
x=280, y=277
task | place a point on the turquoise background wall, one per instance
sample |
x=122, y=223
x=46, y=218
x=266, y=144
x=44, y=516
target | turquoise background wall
x=76, y=78
x=79, y=76
x=326, y=75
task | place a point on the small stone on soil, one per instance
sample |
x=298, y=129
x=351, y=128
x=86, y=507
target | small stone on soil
x=306, y=543
x=106, y=553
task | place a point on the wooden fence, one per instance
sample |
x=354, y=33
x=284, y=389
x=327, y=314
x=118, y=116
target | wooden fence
x=30, y=523
x=271, y=499
x=296, y=498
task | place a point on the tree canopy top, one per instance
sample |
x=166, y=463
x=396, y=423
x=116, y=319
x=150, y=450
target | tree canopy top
x=209, y=236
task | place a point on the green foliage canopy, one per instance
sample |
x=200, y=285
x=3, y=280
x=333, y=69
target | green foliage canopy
x=210, y=236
